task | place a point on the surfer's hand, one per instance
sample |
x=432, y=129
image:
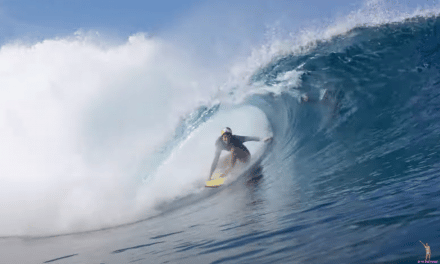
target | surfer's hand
x=267, y=139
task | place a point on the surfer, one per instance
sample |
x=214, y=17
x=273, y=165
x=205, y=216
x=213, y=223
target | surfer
x=234, y=144
x=428, y=251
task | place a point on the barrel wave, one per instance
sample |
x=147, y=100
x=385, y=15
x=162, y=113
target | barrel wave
x=352, y=174
x=363, y=159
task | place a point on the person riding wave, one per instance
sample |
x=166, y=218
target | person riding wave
x=234, y=144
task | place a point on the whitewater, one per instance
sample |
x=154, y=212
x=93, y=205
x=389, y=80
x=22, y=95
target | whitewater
x=105, y=147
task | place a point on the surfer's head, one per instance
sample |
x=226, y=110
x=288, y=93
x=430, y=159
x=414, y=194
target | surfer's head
x=226, y=135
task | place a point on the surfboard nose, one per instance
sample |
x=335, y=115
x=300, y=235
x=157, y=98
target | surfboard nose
x=215, y=183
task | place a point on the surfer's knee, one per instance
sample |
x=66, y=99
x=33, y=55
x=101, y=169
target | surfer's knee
x=245, y=158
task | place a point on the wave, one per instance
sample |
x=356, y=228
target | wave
x=345, y=104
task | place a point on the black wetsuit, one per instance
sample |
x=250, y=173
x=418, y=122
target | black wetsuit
x=236, y=145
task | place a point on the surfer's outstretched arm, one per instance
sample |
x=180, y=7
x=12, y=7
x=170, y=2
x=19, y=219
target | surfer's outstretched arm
x=215, y=161
x=246, y=138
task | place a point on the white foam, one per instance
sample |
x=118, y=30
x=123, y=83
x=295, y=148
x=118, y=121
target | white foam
x=77, y=119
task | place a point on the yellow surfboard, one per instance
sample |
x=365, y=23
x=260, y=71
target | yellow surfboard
x=217, y=180
x=219, y=176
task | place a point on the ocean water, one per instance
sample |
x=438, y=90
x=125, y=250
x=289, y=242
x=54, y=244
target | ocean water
x=352, y=174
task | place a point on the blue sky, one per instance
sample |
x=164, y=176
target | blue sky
x=50, y=17
x=34, y=19
x=187, y=22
